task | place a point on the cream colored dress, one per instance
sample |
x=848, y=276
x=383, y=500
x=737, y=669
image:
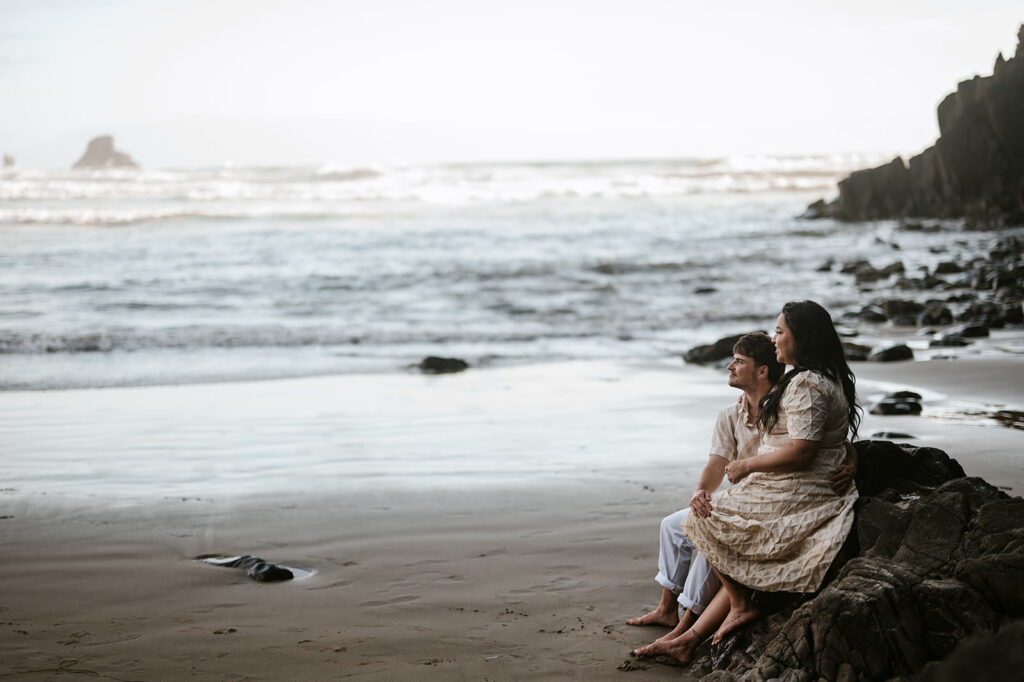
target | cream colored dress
x=779, y=532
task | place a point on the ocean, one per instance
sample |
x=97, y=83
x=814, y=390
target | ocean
x=178, y=276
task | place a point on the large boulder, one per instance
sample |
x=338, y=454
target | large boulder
x=937, y=560
x=709, y=353
x=436, y=365
x=100, y=153
x=975, y=169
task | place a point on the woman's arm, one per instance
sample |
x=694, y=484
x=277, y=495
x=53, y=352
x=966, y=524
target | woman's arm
x=793, y=457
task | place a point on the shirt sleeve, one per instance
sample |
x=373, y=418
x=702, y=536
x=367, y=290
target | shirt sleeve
x=723, y=440
x=806, y=406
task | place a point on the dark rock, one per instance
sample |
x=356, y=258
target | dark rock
x=948, y=340
x=867, y=275
x=904, y=320
x=891, y=353
x=874, y=193
x=872, y=313
x=826, y=266
x=853, y=266
x=892, y=269
x=935, y=314
x=856, y=352
x=938, y=568
x=258, y=569
x=900, y=402
x=101, y=154
x=971, y=331
x=919, y=283
x=1013, y=314
x=996, y=656
x=987, y=313
x=896, y=306
x=890, y=435
x=436, y=365
x=907, y=469
x=922, y=227
x=948, y=268
x=265, y=572
x=1013, y=419
x=975, y=170
x=816, y=210
x=705, y=290
x=713, y=352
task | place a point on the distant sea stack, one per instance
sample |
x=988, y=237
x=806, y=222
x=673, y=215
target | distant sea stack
x=101, y=154
x=975, y=170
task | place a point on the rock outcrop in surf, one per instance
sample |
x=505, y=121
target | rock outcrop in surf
x=100, y=153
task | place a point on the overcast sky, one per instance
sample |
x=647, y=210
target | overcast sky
x=203, y=82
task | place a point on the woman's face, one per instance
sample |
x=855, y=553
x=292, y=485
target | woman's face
x=785, y=345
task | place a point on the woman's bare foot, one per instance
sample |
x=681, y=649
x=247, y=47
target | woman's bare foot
x=657, y=617
x=685, y=623
x=680, y=648
x=737, y=618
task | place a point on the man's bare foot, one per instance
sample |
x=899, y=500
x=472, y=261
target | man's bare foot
x=737, y=618
x=680, y=648
x=657, y=617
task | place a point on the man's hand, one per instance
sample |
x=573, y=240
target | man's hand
x=700, y=503
x=843, y=477
x=736, y=471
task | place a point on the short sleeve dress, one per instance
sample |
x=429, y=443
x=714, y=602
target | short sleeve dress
x=780, y=532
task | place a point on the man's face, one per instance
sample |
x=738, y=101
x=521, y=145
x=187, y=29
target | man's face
x=742, y=371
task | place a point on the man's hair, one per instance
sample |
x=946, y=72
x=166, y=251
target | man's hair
x=760, y=348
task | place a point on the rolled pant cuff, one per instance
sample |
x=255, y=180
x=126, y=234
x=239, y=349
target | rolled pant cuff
x=667, y=584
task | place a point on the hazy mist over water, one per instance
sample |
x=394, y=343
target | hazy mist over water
x=137, y=277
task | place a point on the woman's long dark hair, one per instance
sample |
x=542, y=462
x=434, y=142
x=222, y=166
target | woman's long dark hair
x=817, y=347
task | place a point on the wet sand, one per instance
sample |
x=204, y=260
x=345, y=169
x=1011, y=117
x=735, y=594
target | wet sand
x=529, y=579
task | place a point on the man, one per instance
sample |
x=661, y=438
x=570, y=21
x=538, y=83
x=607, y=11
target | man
x=684, y=574
x=686, y=579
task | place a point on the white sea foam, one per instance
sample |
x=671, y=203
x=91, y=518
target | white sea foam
x=168, y=276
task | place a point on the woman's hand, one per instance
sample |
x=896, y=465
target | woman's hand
x=736, y=471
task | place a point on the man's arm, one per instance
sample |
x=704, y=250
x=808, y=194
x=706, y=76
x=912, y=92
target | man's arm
x=710, y=479
x=844, y=473
x=793, y=457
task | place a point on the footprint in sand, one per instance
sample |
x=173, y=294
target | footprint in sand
x=389, y=602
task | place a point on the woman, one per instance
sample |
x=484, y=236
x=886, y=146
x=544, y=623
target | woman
x=779, y=529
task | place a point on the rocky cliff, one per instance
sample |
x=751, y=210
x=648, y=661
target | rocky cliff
x=975, y=170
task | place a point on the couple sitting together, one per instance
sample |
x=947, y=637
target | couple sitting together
x=785, y=445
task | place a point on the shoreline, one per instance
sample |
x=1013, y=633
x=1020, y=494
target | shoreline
x=530, y=578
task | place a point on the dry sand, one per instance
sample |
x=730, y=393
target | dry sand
x=526, y=581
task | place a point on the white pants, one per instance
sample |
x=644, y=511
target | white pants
x=681, y=568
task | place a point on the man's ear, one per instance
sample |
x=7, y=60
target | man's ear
x=762, y=372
